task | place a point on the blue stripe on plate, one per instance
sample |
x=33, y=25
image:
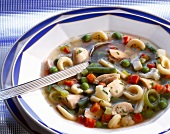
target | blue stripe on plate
x=39, y=35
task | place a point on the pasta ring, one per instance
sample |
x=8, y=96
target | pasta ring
x=100, y=36
x=164, y=67
x=100, y=101
x=114, y=122
x=137, y=89
x=136, y=43
x=64, y=61
x=66, y=114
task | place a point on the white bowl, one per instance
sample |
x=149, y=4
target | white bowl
x=45, y=41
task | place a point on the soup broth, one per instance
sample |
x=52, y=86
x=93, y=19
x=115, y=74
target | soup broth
x=125, y=84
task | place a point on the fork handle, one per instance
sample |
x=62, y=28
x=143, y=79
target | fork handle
x=42, y=82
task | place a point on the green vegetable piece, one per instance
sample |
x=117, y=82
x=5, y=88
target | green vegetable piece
x=152, y=98
x=125, y=63
x=55, y=61
x=62, y=92
x=85, y=86
x=149, y=113
x=81, y=111
x=86, y=38
x=71, y=111
x=103, y=70
x=53, y=70
x=142, y=60
x=163, y=103
x=145, y=69
x=152, y=49
x=49, y=88
x=147, y=101
x=99, y=124
x=117, y=35
x=94, y=65
x=83, y=102
x=108, y=110
x=166, y=95
x=84, y=79
x=84, y=72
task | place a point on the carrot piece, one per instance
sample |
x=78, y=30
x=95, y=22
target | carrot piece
x=81, y=119
x=113, y=47
x=66, y=50
x=167, y=76
x=91, y=77
x=137, y=118
x=106, y=118
x=46, y=72
x=133, y=79
x=95, y=107
x=102, y=83
x=68, y=82
x=145, y=56
x=167, y=86
x=126, y=39
x=159, y=88
x=89, y=122
x=151, y=65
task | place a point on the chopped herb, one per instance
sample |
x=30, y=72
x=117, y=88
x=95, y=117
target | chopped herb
x=121, y=83
x=118, y=53
x=79, y=51
x=66, y=99
x=101, y=101
x=152, y=84
x=116, y=91
x=105, y=92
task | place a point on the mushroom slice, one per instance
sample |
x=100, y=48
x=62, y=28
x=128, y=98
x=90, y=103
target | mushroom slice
x=71, y=100
x=105, y=76
x=123, y=108
x=117, y=54
x=116, y=88
x=80, y=55
x=148, y=82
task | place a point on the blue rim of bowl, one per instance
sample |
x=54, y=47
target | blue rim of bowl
x=7, y=63
x=68, y=20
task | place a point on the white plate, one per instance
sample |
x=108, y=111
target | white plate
x=122, y=22
x=21, y=41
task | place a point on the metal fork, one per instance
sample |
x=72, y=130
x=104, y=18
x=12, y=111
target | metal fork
x=42, y=82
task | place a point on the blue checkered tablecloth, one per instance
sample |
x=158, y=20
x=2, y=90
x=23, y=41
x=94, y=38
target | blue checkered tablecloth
x=18, y=16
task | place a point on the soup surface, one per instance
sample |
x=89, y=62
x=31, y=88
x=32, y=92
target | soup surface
x=125, y=84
